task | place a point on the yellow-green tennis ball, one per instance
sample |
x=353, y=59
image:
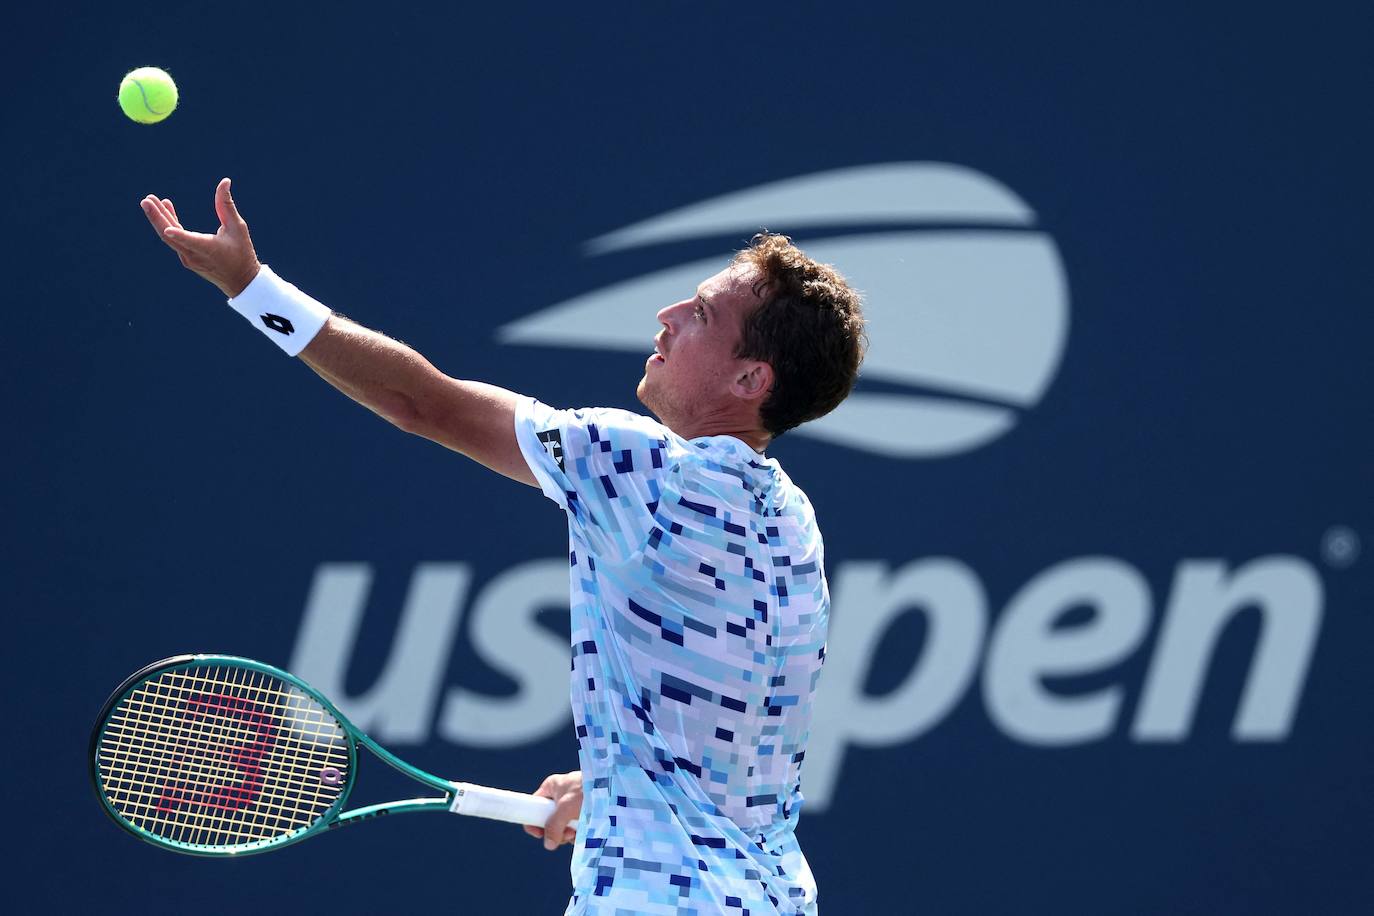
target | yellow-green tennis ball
x=147, y=95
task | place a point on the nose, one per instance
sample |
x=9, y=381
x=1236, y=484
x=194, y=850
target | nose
x=668, y=315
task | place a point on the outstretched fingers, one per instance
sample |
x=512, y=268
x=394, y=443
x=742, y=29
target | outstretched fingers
x=159, y=214
x=155, y=211
x=225, y=258
x=162, y=216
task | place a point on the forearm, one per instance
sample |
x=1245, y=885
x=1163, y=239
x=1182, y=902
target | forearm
x=384, y=375
x=401, y=386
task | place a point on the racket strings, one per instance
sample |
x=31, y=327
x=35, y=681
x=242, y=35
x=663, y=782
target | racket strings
x=235, y=783
x=224, y=762
x=168, y=789
x=219, y=756
x=239, y=771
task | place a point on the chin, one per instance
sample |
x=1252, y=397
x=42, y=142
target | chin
x=647, y=399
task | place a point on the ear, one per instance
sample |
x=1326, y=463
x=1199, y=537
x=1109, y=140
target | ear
x=752, y=382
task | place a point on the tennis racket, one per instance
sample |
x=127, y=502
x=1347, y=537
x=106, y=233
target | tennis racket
x=214, y=755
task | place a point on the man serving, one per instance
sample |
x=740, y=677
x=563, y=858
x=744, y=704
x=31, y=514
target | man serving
x=698, y=595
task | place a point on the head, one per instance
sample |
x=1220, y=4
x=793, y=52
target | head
x=772, y=341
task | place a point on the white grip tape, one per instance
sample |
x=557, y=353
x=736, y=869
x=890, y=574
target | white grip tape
x=281, y=311
x=500, y=805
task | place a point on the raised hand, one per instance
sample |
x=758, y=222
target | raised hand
x=226, y=259
x=566, y=791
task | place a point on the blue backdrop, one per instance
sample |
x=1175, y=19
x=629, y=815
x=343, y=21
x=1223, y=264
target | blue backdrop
x=1094, y=526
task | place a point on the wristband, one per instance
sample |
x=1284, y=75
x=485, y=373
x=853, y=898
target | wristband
x=279, y=310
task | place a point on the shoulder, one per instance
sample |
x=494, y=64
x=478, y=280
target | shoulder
x=794, y=501
x=599, y=439
x=611, y=429
x=617, y=422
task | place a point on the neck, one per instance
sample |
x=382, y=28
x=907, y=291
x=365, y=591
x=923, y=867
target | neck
x=752, y=436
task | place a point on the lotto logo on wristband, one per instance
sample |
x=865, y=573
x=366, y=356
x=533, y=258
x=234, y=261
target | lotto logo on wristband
x=285, y=314
x=278, y=323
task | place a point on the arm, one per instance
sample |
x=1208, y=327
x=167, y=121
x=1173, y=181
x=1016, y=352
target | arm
x=404, y=388
x=384, y=375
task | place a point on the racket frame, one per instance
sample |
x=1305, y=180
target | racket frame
x=330, y=818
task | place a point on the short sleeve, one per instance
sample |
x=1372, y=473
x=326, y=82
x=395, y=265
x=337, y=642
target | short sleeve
x=604, y=467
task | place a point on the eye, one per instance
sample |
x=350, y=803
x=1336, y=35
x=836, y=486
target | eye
x=699, y=311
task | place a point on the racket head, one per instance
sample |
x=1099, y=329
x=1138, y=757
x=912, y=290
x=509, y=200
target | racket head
x=216, y=755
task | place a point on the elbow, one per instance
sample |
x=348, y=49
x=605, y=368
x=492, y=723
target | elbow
x=404, y=414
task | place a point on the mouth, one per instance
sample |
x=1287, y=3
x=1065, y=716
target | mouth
x=657, y=356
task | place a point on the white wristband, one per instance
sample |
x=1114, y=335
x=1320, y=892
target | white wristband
x=279, y=310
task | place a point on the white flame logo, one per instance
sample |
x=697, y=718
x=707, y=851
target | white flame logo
x=967, y=301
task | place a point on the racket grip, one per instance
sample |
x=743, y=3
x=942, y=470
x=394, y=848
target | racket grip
x=500, y=805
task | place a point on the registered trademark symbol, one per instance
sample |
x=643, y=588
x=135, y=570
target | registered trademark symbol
x=1340, y=547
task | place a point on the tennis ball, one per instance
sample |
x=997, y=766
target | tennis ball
x=147, y=95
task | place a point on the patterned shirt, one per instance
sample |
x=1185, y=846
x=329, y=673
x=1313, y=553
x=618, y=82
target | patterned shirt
x=699, y=613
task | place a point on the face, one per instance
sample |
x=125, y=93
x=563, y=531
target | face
x=694, y=374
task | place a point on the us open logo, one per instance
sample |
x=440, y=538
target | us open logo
x=967, y=300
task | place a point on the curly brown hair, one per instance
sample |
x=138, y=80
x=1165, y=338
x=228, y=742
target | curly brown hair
x=809, y=328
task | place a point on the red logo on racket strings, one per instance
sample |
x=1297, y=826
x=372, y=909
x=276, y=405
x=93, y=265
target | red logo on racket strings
x=211, y=750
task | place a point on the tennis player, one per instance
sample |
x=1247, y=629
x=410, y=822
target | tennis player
x=698, y=596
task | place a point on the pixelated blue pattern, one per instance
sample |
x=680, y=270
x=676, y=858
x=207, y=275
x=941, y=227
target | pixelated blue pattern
x=699, y=613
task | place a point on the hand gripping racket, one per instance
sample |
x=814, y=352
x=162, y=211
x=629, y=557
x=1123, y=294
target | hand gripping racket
x=214, y=755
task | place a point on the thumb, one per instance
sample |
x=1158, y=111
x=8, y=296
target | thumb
x=224, y=207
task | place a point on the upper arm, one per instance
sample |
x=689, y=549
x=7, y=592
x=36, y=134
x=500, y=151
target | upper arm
x=475, y=419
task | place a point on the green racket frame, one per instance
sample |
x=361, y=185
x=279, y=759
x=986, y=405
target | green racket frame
x=328, y=820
